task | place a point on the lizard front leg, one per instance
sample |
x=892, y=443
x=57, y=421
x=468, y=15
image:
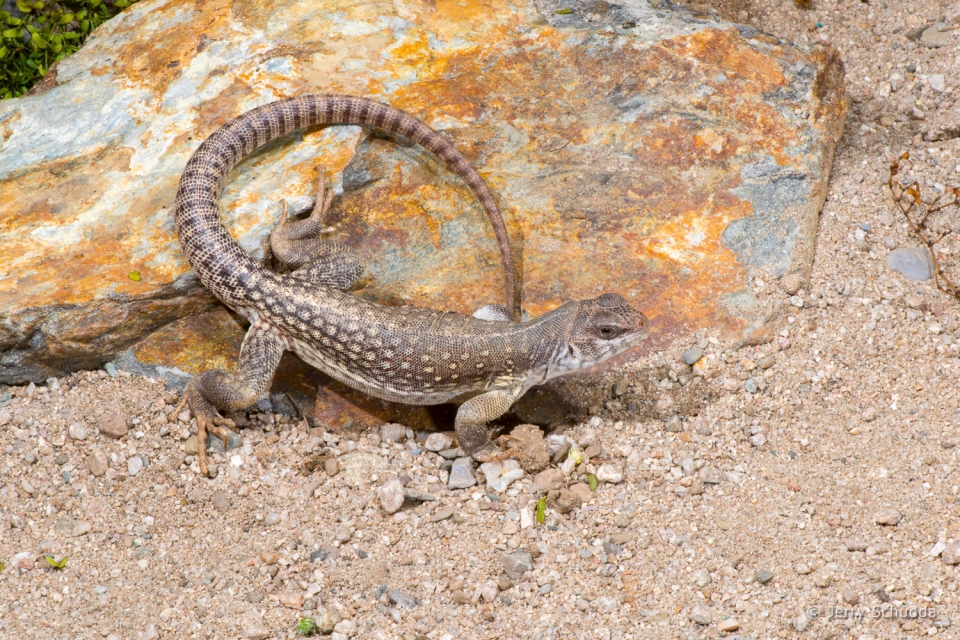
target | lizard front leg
x=218, y=389
x=473, y=416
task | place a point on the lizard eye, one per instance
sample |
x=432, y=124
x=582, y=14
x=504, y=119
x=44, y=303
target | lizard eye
x=607, y=331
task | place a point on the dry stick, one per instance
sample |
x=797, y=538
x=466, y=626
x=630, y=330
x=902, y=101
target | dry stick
x=912, y=191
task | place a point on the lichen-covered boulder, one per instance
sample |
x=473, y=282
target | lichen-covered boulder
x=670, y=158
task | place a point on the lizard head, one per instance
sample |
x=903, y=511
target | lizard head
x=602, y=327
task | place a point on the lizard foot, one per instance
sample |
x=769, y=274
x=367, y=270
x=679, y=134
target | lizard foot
x=208, y=420
x=510, y=450
x=492, y=453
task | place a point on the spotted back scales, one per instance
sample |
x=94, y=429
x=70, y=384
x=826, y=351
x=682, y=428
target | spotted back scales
x=404, y=354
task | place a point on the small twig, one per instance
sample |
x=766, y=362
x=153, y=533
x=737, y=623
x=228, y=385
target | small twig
x=923, y=233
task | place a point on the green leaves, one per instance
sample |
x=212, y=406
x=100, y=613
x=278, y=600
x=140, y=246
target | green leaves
x=541, y=511
x=31, y=44
x=55, y=562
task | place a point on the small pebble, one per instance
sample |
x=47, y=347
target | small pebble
x=403, y=600
x=888, y=517
x=462, y=474
x=77, y=431
x=517, y=563
x=951, y=553
x=23, y=561
x=801, y=622
x=438, y=442
x=912, y=263
x=728, y=625
x=331, y=467
x=443, y=514
x=850, y=596
x=692, y=356
x=610, y=473
x=392, y=432
x=221, y=501
x=792, y=283
x=391, y=496
x=701, y=614
x=757, y=440
x=548, y=480
x=763, y=576
x=564, y=501
x=134, y=465
x=113, y=426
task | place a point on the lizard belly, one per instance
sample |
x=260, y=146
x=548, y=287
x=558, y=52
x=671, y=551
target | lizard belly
x=356, y=379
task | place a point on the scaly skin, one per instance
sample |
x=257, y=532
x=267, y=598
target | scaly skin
x=403, y=354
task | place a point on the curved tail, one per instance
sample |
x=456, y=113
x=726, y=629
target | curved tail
x=221, y=264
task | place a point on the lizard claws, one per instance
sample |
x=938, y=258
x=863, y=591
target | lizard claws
x=493, y=453
x=208, y=420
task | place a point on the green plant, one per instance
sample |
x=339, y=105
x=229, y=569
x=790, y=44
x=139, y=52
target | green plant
x=307, y=626
x=44, y=33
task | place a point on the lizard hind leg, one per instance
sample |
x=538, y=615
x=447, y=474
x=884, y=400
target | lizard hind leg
x=218, y=389
x=318, y=260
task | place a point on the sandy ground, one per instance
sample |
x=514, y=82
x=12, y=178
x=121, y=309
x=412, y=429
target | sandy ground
x=823, y=505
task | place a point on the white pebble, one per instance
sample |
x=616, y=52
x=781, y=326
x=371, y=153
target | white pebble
x=526, y=518
x=610, y=473
x=438, y=442
x=78, y=431
x=391, y=496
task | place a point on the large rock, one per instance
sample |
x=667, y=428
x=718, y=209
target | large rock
x=663, y=156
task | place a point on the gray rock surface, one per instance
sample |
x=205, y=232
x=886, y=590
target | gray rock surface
x=912, y=263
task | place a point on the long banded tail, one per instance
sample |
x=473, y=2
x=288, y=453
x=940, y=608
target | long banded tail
x=220, y=262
